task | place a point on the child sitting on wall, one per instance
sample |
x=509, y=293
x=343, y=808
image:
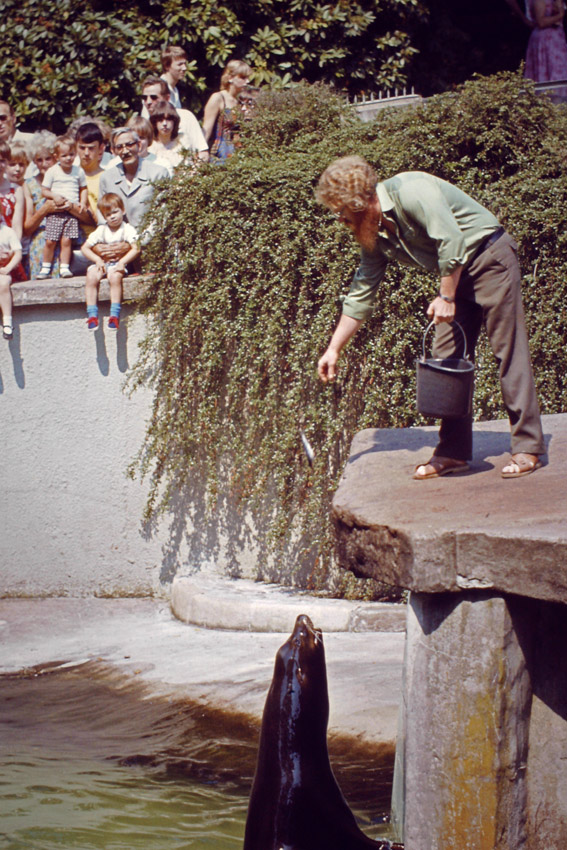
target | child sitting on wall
x=15, y=172
x=66, y=185
x=111, y=207
x=12, y=207
x=10, y=258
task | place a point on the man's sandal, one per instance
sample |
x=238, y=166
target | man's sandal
x=521, y=464
x=439, y=466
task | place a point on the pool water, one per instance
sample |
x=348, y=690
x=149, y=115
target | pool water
x=89, y=759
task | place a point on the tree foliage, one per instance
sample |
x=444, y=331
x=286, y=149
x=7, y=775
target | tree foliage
x=65, y=59
x=79, y=57
x=248, y=273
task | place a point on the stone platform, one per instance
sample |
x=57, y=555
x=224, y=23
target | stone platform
x=481, y=759
x=216, y=602
x=469, y=531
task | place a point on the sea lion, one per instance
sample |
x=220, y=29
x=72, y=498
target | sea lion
x=295, y=803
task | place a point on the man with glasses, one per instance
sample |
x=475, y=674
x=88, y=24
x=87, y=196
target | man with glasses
x=422, y=221
x=132, y=180
x=154, y=91
x=8, y=131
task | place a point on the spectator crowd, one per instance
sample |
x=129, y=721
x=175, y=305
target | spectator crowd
x=74, y=204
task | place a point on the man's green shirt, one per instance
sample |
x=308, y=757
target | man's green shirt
x=438, y=228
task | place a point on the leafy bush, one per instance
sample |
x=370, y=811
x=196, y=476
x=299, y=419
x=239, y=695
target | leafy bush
x=248, y=272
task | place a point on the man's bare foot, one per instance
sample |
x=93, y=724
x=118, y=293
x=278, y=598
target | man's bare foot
x=521, y=464
x=438, y=466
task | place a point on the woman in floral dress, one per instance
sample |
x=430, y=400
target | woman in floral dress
x=546, y=56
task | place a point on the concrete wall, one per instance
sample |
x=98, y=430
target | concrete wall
x=70, y=518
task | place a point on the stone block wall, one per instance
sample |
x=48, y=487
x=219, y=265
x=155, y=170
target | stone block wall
x=482, y=744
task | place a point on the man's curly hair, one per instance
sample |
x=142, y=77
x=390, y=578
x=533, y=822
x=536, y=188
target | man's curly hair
x=347, y=182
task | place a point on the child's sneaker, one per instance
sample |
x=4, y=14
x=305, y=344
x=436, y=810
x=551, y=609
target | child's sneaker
x=114, y=323
x=43, y=273
x=92, y=323
x=65, y=271
x=8, y=331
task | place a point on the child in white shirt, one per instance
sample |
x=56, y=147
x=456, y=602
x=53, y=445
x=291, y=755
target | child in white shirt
x=111, y=206
x=66, y=184
x=10, y=257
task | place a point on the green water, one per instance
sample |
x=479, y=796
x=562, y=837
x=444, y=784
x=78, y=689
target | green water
x=90, y=761
x=46, y=803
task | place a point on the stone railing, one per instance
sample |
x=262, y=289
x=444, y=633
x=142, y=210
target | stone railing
x=71, y=290
x=368, y=106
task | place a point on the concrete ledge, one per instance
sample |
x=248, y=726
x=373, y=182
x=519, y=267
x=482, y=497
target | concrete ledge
x=471, y=531
x=219, y=603
x=141, y=640
x=70, y=290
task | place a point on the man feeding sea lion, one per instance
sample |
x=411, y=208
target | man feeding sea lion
x=423, y=221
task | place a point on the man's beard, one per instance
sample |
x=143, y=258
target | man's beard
x=365, y=227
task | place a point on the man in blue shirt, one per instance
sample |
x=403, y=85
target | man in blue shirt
x=133, y=178
x=422, y=221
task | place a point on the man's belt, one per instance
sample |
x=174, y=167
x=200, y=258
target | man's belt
x=486, y=243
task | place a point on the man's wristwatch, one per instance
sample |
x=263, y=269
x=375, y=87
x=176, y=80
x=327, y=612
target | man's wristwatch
x=446, y=298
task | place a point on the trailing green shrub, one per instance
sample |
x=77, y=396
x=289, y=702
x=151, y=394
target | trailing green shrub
x=248, y=273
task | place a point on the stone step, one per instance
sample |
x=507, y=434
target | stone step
x=216, y=602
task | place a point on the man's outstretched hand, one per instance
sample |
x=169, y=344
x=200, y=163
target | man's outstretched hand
x=327, y=366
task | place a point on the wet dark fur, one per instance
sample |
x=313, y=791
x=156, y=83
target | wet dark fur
x=295, y=802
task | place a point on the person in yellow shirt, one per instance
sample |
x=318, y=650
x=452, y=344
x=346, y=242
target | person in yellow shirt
x=90, y=150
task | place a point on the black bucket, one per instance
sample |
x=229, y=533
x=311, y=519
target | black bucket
x=445, y=386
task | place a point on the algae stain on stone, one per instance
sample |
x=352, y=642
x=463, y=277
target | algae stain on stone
x=470, y=820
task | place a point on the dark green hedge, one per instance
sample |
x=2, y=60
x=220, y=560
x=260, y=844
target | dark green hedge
x=248, y=272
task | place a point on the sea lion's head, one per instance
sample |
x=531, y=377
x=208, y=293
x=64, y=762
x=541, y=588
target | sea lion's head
x=299, y=687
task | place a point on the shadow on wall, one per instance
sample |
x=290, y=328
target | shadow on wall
x=121, y=347
x=15, y=348
x=225, y=536
x=99, y=336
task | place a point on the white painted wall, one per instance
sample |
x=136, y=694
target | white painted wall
x=70, y=519
x=69, y=516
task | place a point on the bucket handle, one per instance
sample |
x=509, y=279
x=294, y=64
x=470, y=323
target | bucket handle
x=454, y=322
